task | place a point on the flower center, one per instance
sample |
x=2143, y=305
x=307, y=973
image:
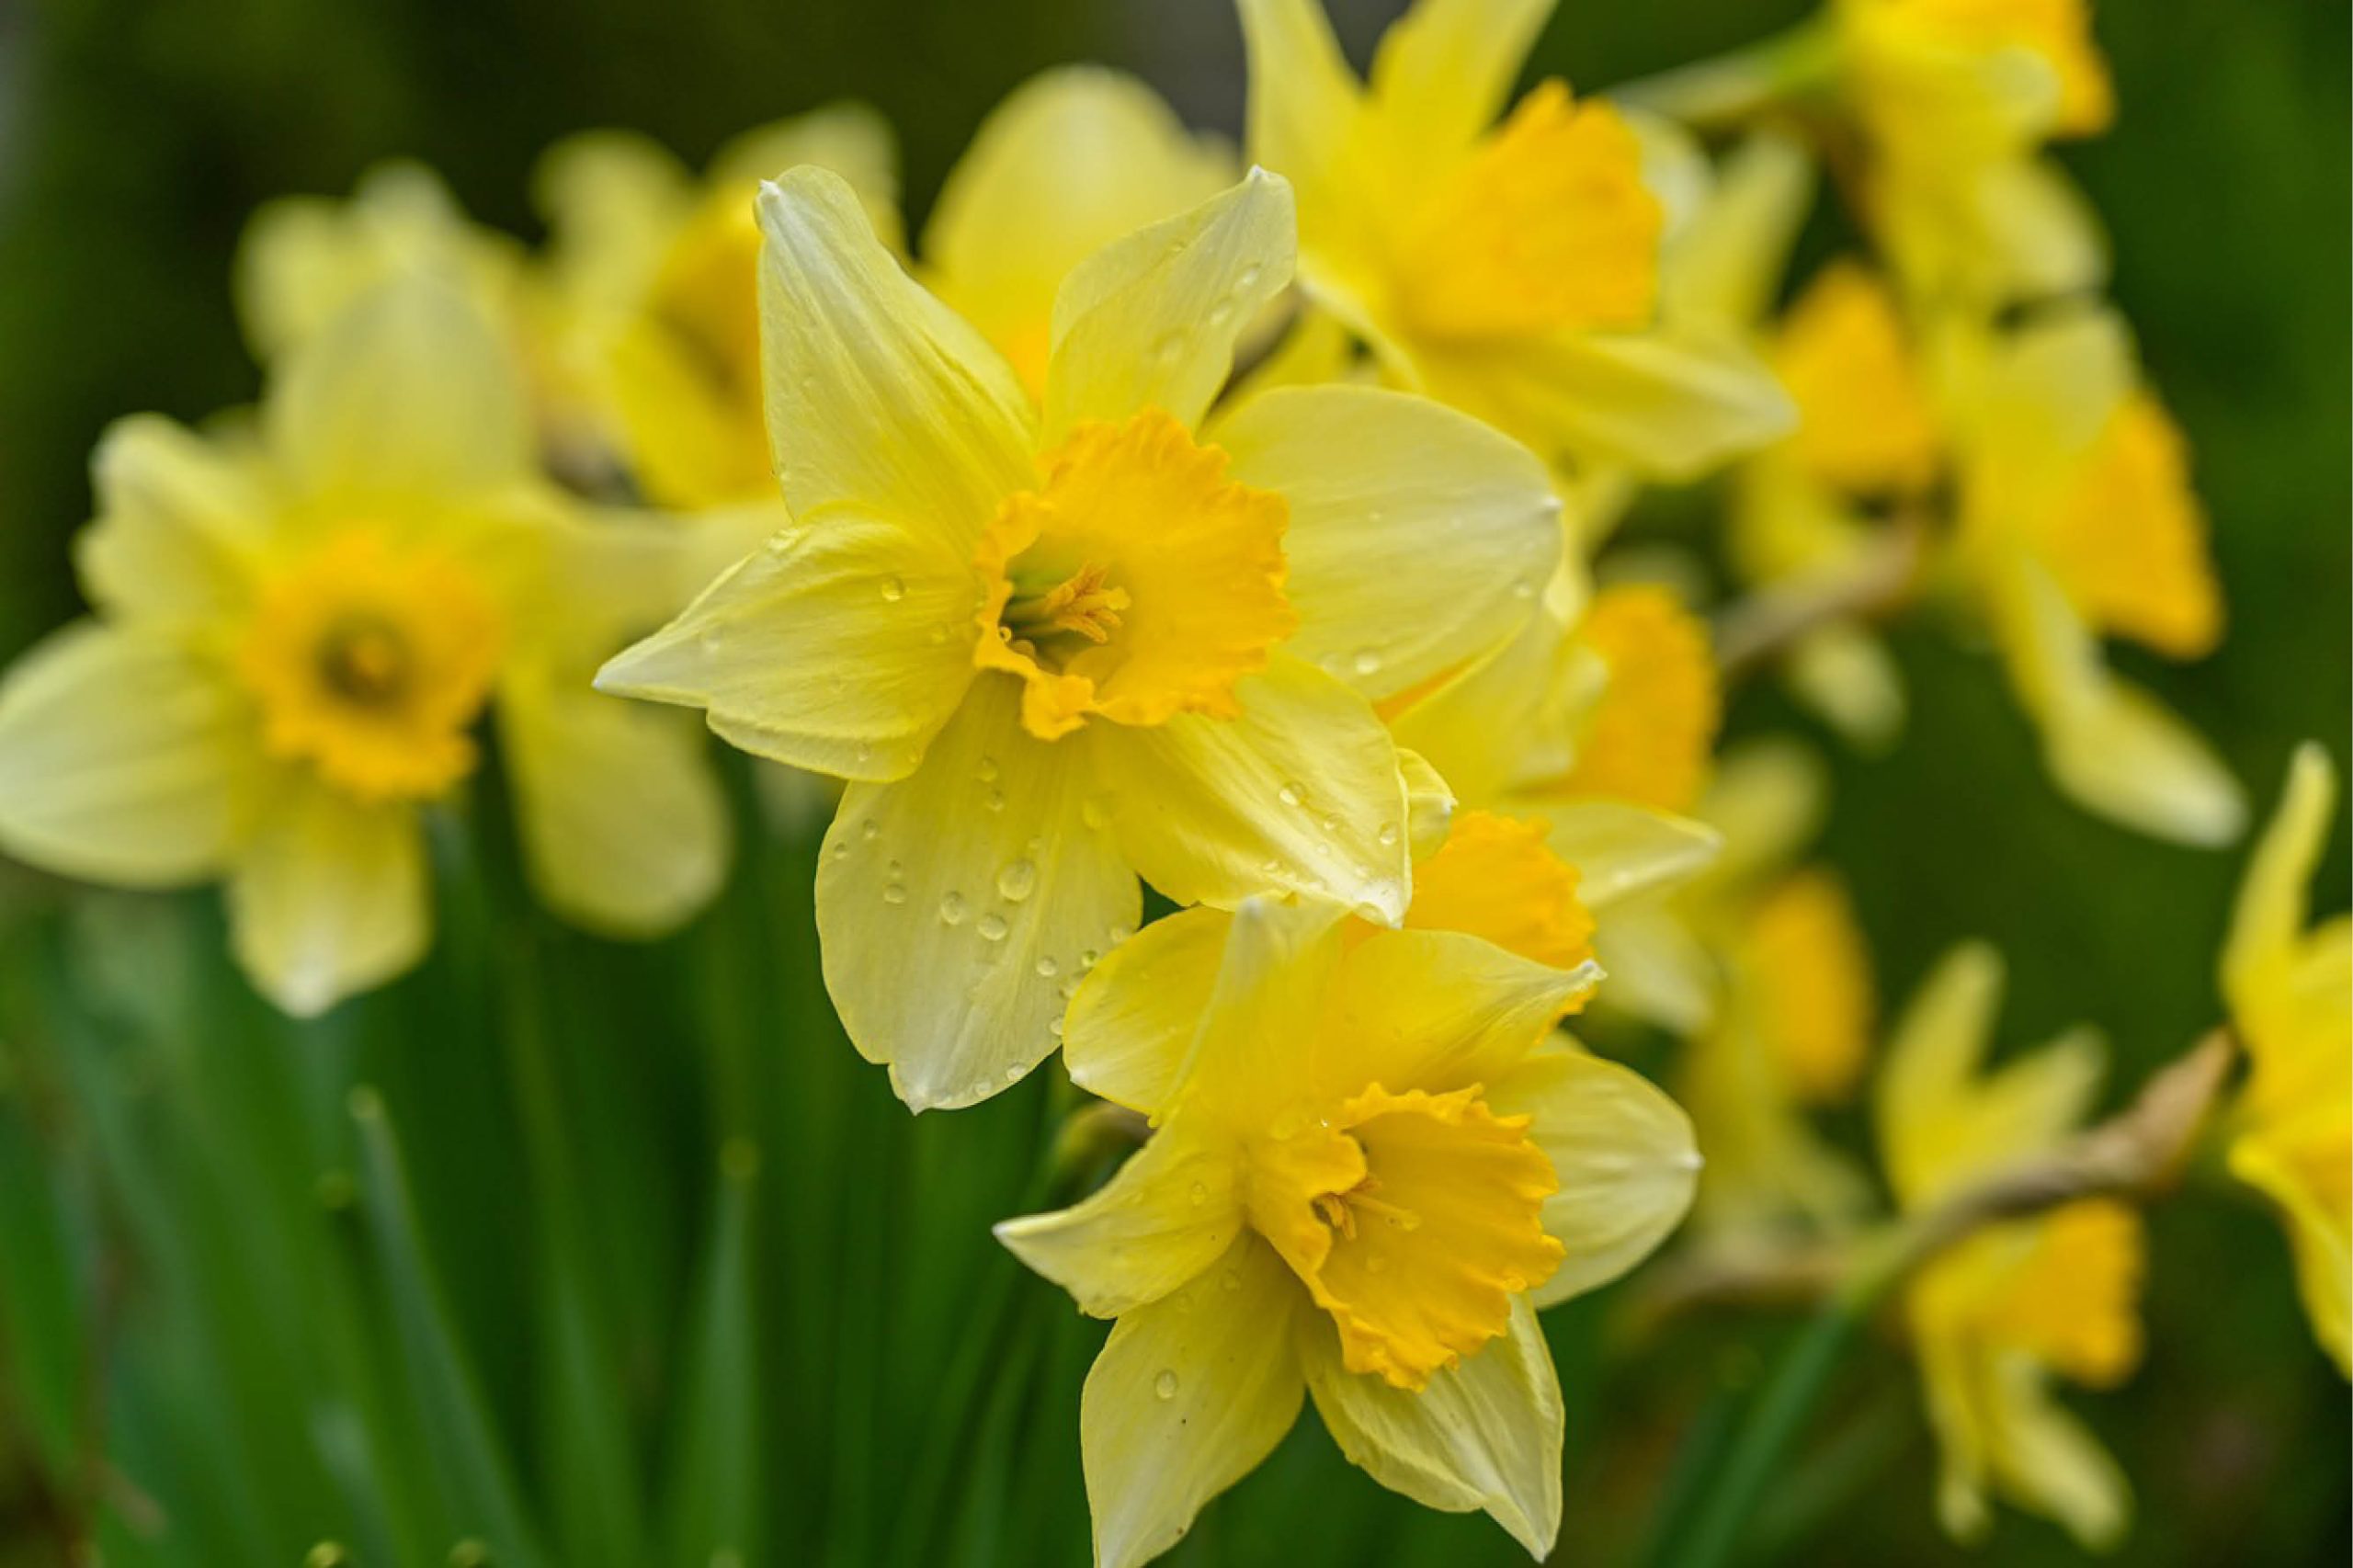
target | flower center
x=1136, y=583
x=1414, y=1219
x=1547, y=225
x=370, y=663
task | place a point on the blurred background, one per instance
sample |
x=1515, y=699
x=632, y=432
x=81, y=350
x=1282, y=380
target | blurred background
x=147, y=1106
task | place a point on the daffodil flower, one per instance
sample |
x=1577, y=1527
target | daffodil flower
x=2289, y=986
x=1996, y=1318
x=297, y=633
x=1373, y=1161
x=1056, y=646
x=653, y=282
x=1511, y=268
x=2078, y=522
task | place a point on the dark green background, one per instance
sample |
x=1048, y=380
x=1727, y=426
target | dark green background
x=134, y=140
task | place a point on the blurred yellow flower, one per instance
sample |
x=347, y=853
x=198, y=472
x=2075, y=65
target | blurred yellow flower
x=1372, y=1162
x=2078, y=522
x=1509, y=268
x=1994, y=1318
x=1059, y=645
x=298, y=628
x=2290, y=987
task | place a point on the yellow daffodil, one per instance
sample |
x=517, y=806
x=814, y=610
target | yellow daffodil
x=2289, y=986
x=654, y=275
x=1372, y=1162
x=1996, y=1317
x=1056, y=646
x=297, y=629
x=1509, y=268
x=2078, y=522
x=1073, y=159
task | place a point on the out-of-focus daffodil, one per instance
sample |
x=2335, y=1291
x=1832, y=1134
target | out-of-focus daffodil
x=2078, y=522
x=1073, y=159
x=1509, y=268
x=1056, y=646
x=2290, y=987
x=1996, y=1318
x=1372, y=1162
x=654, y=280
x=297, y=629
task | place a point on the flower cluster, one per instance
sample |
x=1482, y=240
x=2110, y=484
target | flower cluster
x=1234, y=528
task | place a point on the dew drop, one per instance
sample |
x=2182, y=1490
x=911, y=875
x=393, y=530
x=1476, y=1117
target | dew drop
x=711, y=641
x=1048, y=967
x=1289, y=794
x=1246, y=279
x=1221, y=313
x=841, y=851
x=1018, y=878
x=1087, y=959
x=951, y=908
x=894, y=870
x=1168, y=350
x=991, y=928
x=894, y=589
x=1055, y=1027
x=1121, y=933
x=1388, y=834
x=1525, y=588
x=994, y=800
x=1165, y=1385
x=1230, y=1279
x=1366, y=662
x=987, y=770
x=1329, y=822
x=1200, y=1193
x=894, y=892
x=1013, y=1071
x=870, y=830
x=938, y=634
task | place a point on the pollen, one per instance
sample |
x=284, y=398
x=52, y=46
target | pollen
x=1136, y=583
x=370, y=665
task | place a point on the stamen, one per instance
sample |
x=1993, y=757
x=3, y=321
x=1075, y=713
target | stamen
x=1083, y=606
x=364, y=660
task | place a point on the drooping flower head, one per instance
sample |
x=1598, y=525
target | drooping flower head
x=2289, y=986
x=1372, y=1162
x=299, y=632
x=1997, y=1317
x=1058, y=644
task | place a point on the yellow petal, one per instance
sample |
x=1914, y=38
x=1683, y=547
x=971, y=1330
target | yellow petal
x=1418, y=537
x=1445, y=70
x=1646, y=739
x=180, y=523
x=959, y=905
x=409, y=394
x=2128, y=542
x=2046, y=1461
x=1150, y=320
x=1483, y=1433
x=1304, y=103
x=1436, y=1010
x=1623, y=1153
x=841, y=646
x=1864, y=423
x=124, y=757
x=1724, y=267
x=1769, y=798
x=1071, y=160
x=613, y=200
x=624, y=826
x=329, y=898
x=1188, y=1394
x=1129, y=1027
x=1659, y=971
x=852, y=139
x=1932, y=1055
x=1254, y=1051
x=1804, y=970
x=2307, y=1183
x=1301, y=792
x=1845, y=674
x=881, y=400
x=2269, y=915
x=1502, y=721
x=1621, y=851
x=1165, y=1217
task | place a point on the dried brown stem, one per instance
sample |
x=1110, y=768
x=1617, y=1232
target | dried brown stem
x=1760, y=628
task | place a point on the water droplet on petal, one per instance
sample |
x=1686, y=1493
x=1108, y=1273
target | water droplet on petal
x=1013, y=1072
x=1366, y=662
x=1388, y=834
x=894, y=589
x=894, y=892
x=1246, y=279
x=1048, y=967
x=1168, y=350
x=1017, y=879
x=951, y=908
x=1231, y=1279
x=711, y=641
x=1088, y=958
x=991, y=928
x=1289, y=794
x=994, y=800
x=1165, y=1385
x=1200, y=1193
x=870, y=830
x=987, y=770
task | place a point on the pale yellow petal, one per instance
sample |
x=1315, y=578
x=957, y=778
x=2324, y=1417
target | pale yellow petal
x=1130, y=1027
x=880, y=400
x=1485, y=1433
x=612, y=201
x=1255, y=1050
x=1167, y=1215
x=1418, y=537
x=624, y=829
x=1305, y=100
x=181, y=524
x=1429, y=805
x=958, y=905
x=840, y=647
x=2046, y=1461
x=1624, y=1154
x=1073, y=159
x=2268, y=918
x=1623, y=851
x=1445, y=70
x=1658, y=970
x=2316, y=1234
x=124, y=757
x=853, y=140
x=1725, y=265
x=1150, y=320
x=1436, y=1011
x=1301, y=792
x=1845, y=674
x=410, y=392
x=328, y=898
x=1932, y=1055
x=1188, y=1394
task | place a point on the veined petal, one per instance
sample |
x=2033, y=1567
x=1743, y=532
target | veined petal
x=1163, y=1219
x=957, y=903
x=409, y=391
x=1670, y=406
x=328, y=898
x=1301, y=792
x=624, y=829
x=1418, y=537
x=1445, y=70
x=880, y=400
x=124, y=758
x=1188, y=1396
x=1255, y=1048
x=842, y=646
x=1073, y=159
x=1485, y=1433
x=1150, y=320
x=178, y=523
x=1130, y=1027
x=1436, y=1011
x=1625, y=1154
